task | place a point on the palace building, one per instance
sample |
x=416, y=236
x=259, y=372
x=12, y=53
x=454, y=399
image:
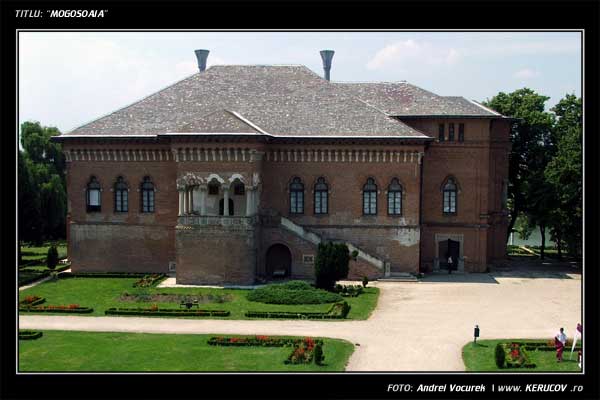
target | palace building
x=236, y=174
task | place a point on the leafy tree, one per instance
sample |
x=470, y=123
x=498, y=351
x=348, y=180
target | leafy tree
x=331, y=264
x=564, y=174
x=29, y=214
x=531, y=137
x=42, y=186
x=35, y=140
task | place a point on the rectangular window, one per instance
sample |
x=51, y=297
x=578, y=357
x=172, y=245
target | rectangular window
x=370, y=203
x=94, y=197
x=441, y=133
x=449, y=202
x=121, y=201
x=461, y=132
x=147, y=201
x=451, y=132
x=296, y=202
x=395, y=203
x=320, y=202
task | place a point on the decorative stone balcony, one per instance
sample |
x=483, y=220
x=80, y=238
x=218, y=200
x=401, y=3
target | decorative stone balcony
x=233, y=222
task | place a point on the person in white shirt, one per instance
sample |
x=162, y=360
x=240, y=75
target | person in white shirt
x=560, y=340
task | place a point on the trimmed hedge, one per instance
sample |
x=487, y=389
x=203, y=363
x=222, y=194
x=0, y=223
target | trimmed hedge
x=102, y=275
x=168, y=312
x=337, y=311
x=30, y=335
x=258, y=340
x=32, y=301
x=294, y=292
x=58, y=309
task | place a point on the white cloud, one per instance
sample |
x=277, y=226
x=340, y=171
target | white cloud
x=410, y=53
x=526, y=73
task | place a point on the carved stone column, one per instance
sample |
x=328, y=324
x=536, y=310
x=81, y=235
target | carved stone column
x=249, y=194
x=181, y=201
x=186, y=201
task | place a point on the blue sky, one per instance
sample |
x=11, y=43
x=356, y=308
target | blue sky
x=69, y=78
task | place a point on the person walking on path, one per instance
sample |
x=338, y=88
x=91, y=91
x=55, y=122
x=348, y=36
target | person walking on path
x=450, y=264
x=560, y=340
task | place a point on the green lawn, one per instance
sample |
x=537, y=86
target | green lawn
x=480, y=358
x=98, y=351
x=103, y=293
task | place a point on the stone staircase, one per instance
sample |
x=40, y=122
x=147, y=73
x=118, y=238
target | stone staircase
x=399, y=277
x=315, y=239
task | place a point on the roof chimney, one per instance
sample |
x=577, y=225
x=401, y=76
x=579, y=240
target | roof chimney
x=202, y=55
x=327, y=55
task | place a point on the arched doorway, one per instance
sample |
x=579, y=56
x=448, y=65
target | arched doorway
x=278, y=261
x=222, y=207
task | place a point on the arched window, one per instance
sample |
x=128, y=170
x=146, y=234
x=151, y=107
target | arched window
x=450, y=190
x=321, y=194
x=370, y=197
x=395, y=198
x=121, y=195
x=147, y=190
x=92, y=194
x=296, y=196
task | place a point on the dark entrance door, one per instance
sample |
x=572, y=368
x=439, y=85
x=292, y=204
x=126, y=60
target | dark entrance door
x=278, y=261
x=222, y=207
x=453, y=252
x=449, y=249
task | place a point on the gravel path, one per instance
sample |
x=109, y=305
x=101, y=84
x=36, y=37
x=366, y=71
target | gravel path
x=415, y=327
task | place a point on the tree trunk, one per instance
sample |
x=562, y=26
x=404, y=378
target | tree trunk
x=543, y=232
x=559, y=246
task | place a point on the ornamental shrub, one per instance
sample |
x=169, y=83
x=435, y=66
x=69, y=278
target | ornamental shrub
x=365, y=281
x=295, y=292
x=318, y=354
x=331, y=264
x=52, y=258
x=500, y=356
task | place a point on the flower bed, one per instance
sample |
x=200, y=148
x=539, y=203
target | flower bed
x=30, y=335
x=149, y=280
x=168, y=312
x=29, y=301
x=516, y=356
x=545, y=346
x=303, y=349
x=337, y=311
x=71, y=308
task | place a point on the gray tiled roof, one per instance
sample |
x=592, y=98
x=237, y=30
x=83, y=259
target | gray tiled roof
x=404, y=100
x=278, y=100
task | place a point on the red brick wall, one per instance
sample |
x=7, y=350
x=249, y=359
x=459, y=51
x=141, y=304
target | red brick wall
x=216, y=255
x=480, y=165
x=132, y=241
